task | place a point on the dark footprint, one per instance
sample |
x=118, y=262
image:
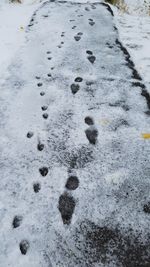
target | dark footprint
x=88, y=120
x=36, y=187
x=48, y=52
x=75, y=88
x=87, y=9
x=44, y=108
x=24, y=246
x=91, y=23
x=59, y=46
x=29, y=134
x=92, y=59
x=43, y=171
x=45, y=116
x=72, y=183
x=42, y=93
x=92, y=134
x=49, y=58
x=146, y=208
x=80, y=33
x=38, y=77
x=49, y=75
x=74, y=27
x=39, y=84
x=78, y=80
x=66, y=207
x=77, y=38
x=40, y=147
x=17, y=221
x=89, y=52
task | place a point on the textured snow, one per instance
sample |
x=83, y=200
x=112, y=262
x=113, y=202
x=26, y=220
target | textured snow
x=109, y=227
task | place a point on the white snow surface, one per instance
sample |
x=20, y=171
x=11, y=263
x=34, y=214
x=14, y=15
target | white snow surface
x=113, y=174
x=134, y=31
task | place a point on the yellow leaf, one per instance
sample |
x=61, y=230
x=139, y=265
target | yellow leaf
x=146, y=135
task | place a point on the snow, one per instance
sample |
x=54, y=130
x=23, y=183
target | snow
x=13, y=21
x=108, y=220
x=134, y=31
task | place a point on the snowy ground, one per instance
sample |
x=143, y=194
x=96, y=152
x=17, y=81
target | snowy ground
x=134, y=30
x=13, y=21
x=74, y=167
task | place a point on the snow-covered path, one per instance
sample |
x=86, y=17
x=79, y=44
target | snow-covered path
x=74, y=165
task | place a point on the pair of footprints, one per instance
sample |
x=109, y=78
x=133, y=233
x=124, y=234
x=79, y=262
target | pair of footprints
x=75, y=87
x=62, y=42
x=67, y=203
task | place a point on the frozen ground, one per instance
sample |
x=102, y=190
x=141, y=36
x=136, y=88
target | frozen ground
x=74, y=167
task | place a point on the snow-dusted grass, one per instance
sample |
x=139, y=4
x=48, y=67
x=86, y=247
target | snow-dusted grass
x=13, y=21
x=134, y=31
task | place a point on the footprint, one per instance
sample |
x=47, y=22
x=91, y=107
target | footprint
x=48, y=52
x=72, y=183
x=39, y=84
x=78, y=79
x=89, y=52
x=87, y=9
x=42, y=93
x=38, y=77
x=59, y=46
x=30, y=134
x=24, y=246
x=75, y=88
x=49, y=58
x=92, y=134
x=36, y=187
x=40, y=147
x=80, y=33
x=44, y=108
x=45, y=116
x=66, y=207
x=93, y=7
x=74, y=27
x=17, y=221
x=91, y=23
x=43, y=171
x=49, y=75
x=146, y=208
x=77, y=38
x=92, y=59
x=88, y=120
